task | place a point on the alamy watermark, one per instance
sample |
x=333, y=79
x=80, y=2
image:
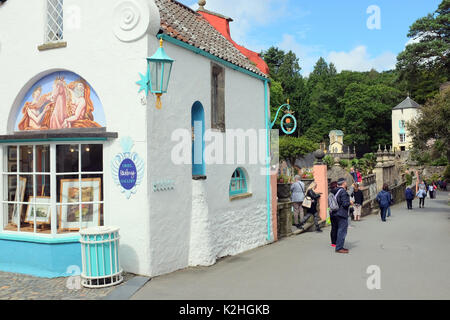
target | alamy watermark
x=73, y=282
x=374, y=20
x=373, y=282
x=234, y=147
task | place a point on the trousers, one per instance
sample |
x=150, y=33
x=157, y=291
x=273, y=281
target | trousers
x=409, y=204
x=334, y=229
x=383, y=213
x=316, y=219
x=298, y=212
x=421, y=202
x=342, y=226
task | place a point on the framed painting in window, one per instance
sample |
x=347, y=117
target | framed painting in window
x=89, y=203
x=42, y=209
x=12, y=153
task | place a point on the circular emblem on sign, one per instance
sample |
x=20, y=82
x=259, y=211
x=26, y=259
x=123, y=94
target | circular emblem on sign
x=288, y=124
x=127, y=174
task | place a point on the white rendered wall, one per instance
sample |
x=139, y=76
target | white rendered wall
x=227, y=227
x=111, y=67
x=155, y=226
x=406, y=115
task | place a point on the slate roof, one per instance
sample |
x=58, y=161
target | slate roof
x=337, y=132
x=407, y=104
x=182, y=23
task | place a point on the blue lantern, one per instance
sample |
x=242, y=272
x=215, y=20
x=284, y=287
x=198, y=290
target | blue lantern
x=158, y=74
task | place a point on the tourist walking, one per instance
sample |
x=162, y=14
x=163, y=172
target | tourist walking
x=359, y=176
x=312, y=210
x=341, y=215
x=333, y=219
x=391, y=203
x=409, y=196
x=384, y=201
x=354, y=174
x=422, y=194
x=298, y=195
x=358, y=197
x=431, y=190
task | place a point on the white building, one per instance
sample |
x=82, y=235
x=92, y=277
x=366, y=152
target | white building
x=406, y=111
x=72, y=115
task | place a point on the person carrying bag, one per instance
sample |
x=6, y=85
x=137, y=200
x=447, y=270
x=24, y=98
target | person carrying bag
x=297, y=198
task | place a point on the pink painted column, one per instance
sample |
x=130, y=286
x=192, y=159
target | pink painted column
x=273, y=187
x=320, y=177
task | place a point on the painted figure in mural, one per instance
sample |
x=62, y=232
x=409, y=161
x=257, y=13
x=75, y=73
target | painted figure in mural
x=32, y=114
x=59, y=99
x=80, y=107
x=66, y=106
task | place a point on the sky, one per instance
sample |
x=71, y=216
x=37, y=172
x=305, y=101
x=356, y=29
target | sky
x=355, y=35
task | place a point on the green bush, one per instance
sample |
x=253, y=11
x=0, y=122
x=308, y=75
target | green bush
x=408, y=178
x=291, y=147
x=447, y=173
x=328, y=160
x=442, y=161
x=344, y=163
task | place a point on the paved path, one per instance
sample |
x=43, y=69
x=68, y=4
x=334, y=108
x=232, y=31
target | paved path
x=412, y=250
x=23, y=287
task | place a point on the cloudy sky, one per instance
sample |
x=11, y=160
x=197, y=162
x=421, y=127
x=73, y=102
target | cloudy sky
x=354, y=34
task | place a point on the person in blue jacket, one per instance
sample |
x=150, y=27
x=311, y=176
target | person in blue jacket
x=341, y=215
x=409, y=195
x=384, y=201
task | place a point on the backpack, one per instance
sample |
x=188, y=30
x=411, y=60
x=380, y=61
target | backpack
x=332, y=201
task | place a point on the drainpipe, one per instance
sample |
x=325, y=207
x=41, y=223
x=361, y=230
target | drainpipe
x=266, y=108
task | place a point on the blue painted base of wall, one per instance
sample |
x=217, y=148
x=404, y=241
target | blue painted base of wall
x=47, y=260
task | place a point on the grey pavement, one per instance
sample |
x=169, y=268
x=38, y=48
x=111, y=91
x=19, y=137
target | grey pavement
x=412, y=250
x=24, y=287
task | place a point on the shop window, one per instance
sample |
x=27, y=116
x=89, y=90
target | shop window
x=55, y=21
x=52, y=188
x=238, y=184
x=217, y=97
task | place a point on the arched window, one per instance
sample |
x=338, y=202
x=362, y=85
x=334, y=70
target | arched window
x=238, y=184
x=198, y=141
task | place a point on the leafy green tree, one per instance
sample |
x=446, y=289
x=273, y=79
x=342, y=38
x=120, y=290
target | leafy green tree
x=430, y=131
x=292, y=147
x=425, y=63
x=367, y=114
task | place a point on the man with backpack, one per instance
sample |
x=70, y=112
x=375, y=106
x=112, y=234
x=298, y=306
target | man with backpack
x=339, y=213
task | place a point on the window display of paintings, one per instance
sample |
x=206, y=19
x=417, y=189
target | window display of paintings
x=72, y=202
x=41, y=206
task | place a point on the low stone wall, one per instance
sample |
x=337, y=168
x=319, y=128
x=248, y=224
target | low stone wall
x=370, y=192
x=398, y=192
x=284, y=219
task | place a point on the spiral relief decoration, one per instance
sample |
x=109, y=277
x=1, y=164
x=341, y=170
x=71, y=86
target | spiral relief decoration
x=131, y=19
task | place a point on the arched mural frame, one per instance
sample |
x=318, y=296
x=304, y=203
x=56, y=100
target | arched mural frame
x=16, y=108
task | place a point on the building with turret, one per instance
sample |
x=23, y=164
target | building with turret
x=401, y=115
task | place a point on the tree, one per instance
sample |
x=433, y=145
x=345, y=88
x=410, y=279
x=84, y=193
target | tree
x=367, y=116
x=425, y=63
x=292, y=147
x=430, y=131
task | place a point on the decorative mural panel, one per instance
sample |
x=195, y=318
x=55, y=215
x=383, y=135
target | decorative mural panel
x=61, y=100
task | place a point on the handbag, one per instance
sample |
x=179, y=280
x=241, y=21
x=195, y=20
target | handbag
x=307, y=202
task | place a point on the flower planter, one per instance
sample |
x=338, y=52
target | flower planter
x=284, y=192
